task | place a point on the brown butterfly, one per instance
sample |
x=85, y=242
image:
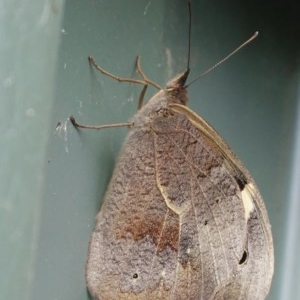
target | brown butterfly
x=182, y=218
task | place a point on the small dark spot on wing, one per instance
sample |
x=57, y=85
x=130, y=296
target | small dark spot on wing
x=244, y=258
x=241, y=181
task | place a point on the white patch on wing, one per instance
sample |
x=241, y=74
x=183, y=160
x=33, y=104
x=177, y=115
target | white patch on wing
x=247, y=197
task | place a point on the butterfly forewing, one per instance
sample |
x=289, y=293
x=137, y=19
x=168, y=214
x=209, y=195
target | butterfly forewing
x=175, y=222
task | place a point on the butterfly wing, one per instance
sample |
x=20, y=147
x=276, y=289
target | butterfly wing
x=178, y=222
x=133, y=250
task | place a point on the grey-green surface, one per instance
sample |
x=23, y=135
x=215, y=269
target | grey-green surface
x=29, y=41
x=52, y=180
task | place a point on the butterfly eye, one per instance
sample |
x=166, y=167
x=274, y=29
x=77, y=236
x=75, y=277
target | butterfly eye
x=244, y=258
x=135, y=276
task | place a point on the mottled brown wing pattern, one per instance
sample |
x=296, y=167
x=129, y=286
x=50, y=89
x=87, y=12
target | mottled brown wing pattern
x=198, y=187
x=187, y=243
x=238, y=260
x=135, y=238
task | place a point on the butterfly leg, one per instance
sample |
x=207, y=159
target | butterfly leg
x=146, y=79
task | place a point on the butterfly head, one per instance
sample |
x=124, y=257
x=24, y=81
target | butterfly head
x=176, y=88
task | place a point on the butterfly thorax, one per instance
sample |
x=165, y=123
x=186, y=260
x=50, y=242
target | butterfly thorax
x=158, y=106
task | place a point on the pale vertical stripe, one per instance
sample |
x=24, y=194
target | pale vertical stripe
x=290, y=281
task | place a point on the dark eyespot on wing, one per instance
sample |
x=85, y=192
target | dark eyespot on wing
x=241, y=181
x=244, y=257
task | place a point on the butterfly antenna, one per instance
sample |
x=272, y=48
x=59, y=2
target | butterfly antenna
x=190, y=33
x=226, y=57
x=186, y=73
